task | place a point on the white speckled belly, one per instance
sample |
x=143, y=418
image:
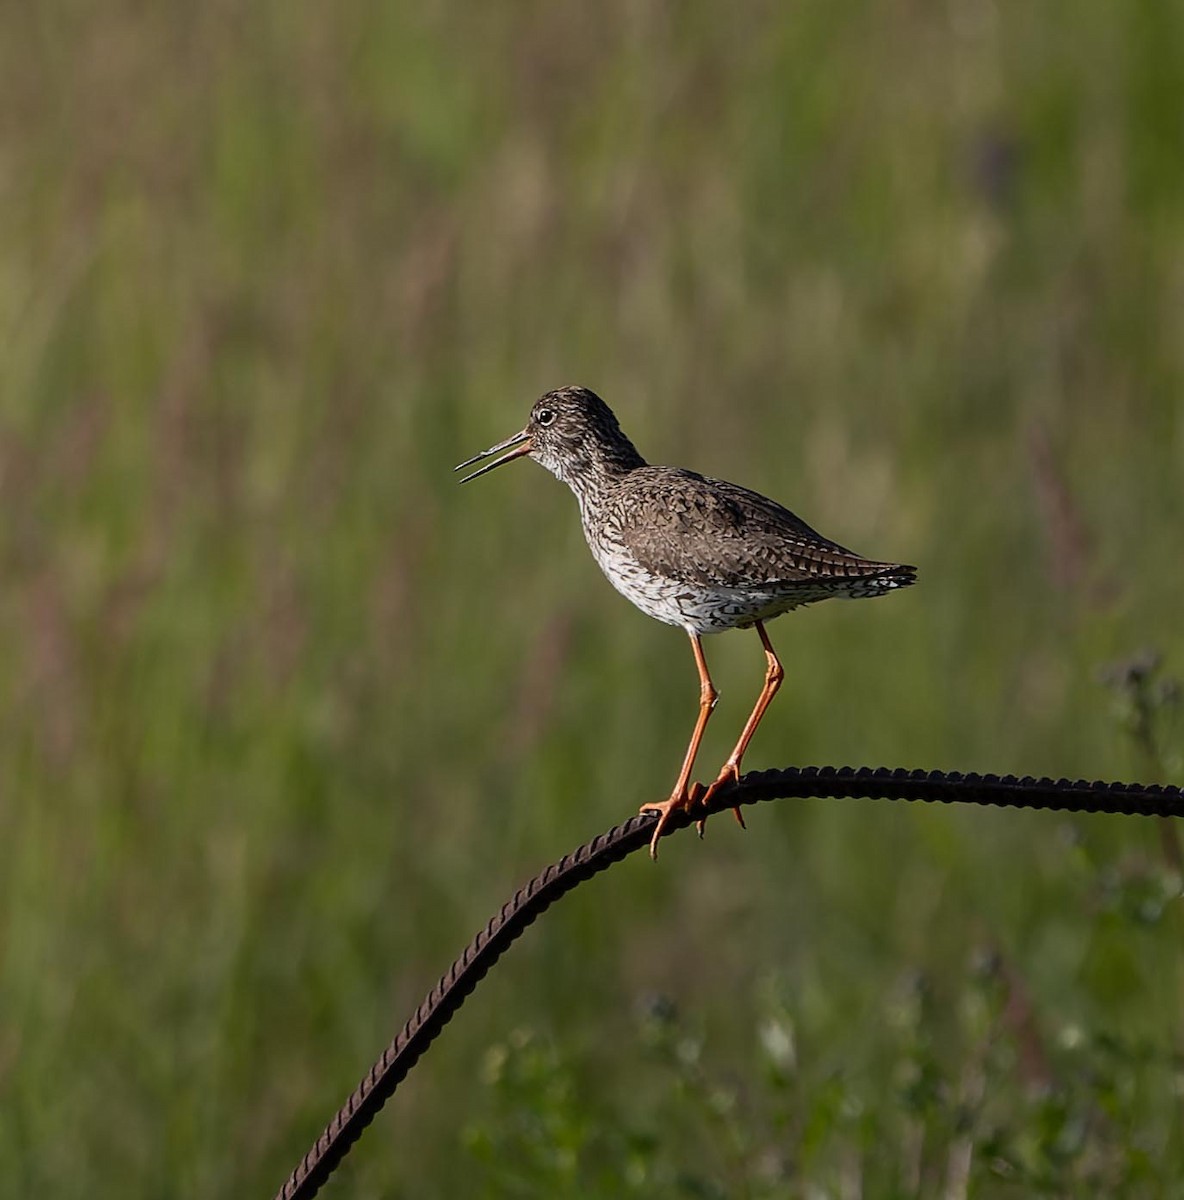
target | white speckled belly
x=692, y=606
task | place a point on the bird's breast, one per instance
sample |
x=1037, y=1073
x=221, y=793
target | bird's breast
x=702, y=608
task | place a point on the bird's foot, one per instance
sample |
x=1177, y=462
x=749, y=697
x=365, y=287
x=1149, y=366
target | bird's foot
x=686, y=798
x=729, y=775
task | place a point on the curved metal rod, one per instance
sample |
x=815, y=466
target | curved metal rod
x=881, y=783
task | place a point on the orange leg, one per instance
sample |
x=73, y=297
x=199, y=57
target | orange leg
x=774, y=674
x=682, y=797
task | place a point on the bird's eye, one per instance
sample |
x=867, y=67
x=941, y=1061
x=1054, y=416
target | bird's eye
x=544, y=416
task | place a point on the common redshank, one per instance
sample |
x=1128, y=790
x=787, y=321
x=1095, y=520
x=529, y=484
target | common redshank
x=699, y=553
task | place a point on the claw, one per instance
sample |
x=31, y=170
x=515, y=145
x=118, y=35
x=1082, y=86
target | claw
x=730, y=774
x=663, y=809
x=666, y=809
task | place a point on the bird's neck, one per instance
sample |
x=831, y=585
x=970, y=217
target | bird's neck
x=594, y=474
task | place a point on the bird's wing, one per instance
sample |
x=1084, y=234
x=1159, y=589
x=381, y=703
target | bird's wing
x=707, y=531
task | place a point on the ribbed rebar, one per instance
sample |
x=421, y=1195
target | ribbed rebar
x=880, y=783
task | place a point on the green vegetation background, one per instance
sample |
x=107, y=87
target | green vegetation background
x=285, y=715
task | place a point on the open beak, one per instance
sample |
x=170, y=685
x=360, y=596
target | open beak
x=516, y=447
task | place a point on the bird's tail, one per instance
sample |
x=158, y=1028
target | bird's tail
x=884, y=577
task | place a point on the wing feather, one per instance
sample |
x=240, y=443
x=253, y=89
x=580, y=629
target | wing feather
x=692, y=529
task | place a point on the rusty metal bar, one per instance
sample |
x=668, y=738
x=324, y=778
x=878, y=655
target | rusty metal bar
x=557, y=880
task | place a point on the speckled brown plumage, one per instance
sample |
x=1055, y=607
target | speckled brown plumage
x=700, y=553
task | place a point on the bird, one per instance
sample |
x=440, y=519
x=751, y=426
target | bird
x=692, y=551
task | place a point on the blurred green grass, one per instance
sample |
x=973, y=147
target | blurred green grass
x=286, y=715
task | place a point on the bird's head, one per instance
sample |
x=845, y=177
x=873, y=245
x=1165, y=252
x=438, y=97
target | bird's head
x=571, y=432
